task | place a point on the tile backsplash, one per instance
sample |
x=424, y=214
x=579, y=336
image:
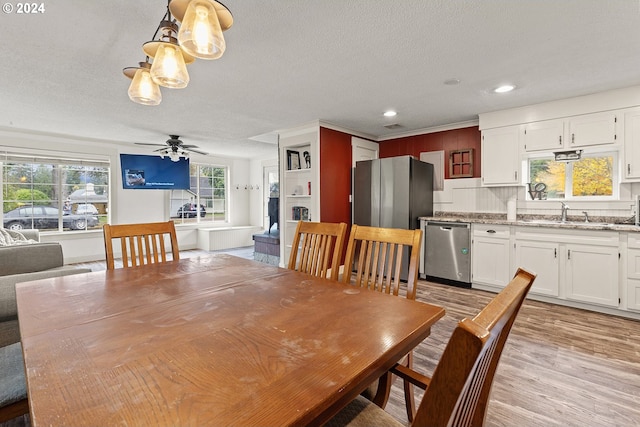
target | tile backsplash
x=468, y=195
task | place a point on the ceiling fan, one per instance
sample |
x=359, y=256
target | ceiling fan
x=175, y=148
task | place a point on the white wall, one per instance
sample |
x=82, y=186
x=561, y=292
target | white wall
x=134, y=206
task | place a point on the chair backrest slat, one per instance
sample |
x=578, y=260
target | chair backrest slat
x=141, y=244
x=376, y=254
x=317, y=248
x=458, y=394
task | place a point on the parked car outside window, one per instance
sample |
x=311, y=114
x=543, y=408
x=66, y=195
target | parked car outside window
x=86, y=209
x=44, y=217
x=188, y=210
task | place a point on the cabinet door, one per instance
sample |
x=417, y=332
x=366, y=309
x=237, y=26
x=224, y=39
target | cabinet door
x=633, y=294
x=491, y=261
x=592, y=129
x=500, y=156
x=540, y=258
x=543, y=136
x=633, y=279
x=592, y=274
x=632, y=145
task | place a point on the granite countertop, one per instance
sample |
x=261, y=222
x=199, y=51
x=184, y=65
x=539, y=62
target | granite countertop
x=577, y=223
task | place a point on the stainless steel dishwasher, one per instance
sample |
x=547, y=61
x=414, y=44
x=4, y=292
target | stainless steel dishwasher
x=447, y=255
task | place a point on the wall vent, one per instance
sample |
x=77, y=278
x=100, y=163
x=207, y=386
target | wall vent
x=393, y=126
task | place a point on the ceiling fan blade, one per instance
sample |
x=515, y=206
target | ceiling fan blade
x=188, y=146
x=199, y=152
x=146, y=143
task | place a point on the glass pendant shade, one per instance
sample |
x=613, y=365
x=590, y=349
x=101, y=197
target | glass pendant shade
x=143, y=90
x=168, y=68
x=200, y=33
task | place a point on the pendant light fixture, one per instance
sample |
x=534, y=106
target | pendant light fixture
x=143, y=89
x=169, y=67
x=202, y=24
x=201, y=37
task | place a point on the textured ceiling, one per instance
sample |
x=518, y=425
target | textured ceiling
x=289, y=63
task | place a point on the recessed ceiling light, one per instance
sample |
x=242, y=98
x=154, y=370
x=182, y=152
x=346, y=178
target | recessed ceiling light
x=390, y=113
x=504, y=88
x=451, y=82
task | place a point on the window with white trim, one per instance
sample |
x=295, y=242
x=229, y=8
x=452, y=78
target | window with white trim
x=54, y=194
x=594, y=177
x=206, y=201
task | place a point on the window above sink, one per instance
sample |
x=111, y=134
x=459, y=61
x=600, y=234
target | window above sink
x=593, y=177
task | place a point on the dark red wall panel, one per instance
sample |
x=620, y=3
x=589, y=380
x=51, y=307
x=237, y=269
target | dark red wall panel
x=450, y=140
x=335, y=176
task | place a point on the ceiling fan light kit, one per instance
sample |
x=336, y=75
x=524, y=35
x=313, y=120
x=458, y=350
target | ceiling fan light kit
x=199, y=36
x=174, y=155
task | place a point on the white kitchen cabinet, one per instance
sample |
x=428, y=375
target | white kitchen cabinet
x=633, y=279
x=491, y=255
x=500, y=156
x=546, y=135
x=541, y=258
x=571, y=132
x=632, y=145
x=633, y=271
x=591, y=274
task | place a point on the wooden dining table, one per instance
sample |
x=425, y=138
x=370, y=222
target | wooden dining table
x=213, y=340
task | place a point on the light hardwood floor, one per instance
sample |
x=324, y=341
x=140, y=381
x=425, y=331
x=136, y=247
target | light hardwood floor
x=561, y=366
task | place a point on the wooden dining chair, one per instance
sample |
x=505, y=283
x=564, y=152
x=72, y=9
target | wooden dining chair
x=140, y=243
x=375, y=256
x=317, y=248
x=458, y=392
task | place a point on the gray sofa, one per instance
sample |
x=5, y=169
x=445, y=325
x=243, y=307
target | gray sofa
x=21, y=263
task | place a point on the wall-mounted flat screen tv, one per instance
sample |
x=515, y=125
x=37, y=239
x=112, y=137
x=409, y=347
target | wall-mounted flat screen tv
x=154, y=173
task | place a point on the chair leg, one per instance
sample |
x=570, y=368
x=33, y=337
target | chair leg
x=408, y=390
x=384, y=390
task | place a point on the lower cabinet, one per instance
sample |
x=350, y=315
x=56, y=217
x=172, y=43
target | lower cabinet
x=592, y=274
x=633, y=272
x=543, y=259
x=571, y=265
x=491, y=254
x=633, y=294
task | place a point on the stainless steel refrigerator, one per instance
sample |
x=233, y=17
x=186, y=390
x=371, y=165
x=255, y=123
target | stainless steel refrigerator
x=393, y=193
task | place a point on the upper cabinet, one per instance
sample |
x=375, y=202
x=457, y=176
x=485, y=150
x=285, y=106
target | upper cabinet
x=546, y=135
x=500, y=156
x=571, y=132
x=631, y=163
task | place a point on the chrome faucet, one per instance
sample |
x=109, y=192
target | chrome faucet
x=565, y=208
x=586, y=216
